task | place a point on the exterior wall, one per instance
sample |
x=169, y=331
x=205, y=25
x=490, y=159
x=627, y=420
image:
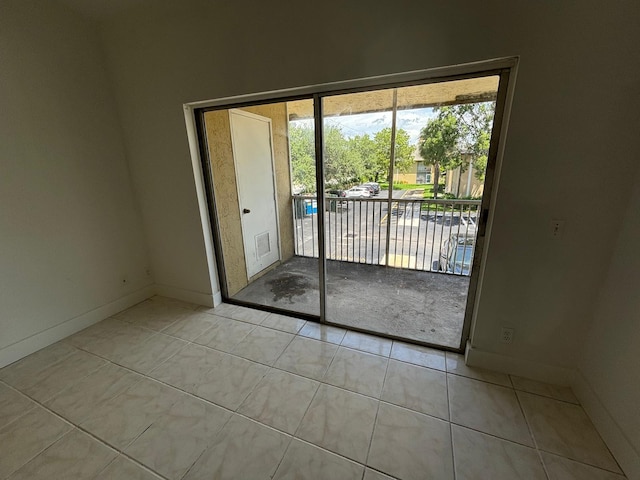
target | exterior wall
x=457, y=181
x=412, y=175
x=422, y=171
x=226, y=192
x=226, y=195
x=409, y=177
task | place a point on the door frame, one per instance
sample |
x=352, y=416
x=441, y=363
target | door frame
x=267, y=120
x=505, y=67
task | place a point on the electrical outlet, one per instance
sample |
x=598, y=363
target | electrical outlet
x=557, y=228
x=506, y=335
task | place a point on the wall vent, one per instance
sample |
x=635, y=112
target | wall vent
x=263, y=244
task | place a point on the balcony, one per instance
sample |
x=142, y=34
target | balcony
x=417, y=234
x=398, y=267
x=402, y=272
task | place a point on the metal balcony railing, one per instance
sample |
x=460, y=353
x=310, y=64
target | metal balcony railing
x=418, y=234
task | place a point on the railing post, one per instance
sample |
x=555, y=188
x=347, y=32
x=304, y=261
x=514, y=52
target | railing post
x=450, y=210
x=392, y=161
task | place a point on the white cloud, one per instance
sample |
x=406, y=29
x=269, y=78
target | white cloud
x=410, y=120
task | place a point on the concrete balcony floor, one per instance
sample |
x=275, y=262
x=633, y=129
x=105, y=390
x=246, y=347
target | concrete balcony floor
x=422, y=306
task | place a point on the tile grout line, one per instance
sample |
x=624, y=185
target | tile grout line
x=148, y=377
x=320, y=382
x=307, y=410
x=56, y=441
x=331, y=452
x=122, y=451
x=453, y=453
x=375, y=420
x=193, y=343
x=91, y=372
x=106, y=466
x=138, y=464
x=270, y=367
x=492, y=435
x=535, y=441
x=185, y=392
x=300, y=336
x=293, y=336
x=510, y=387
x=361, y=349
x=192, y=395
x=87, y=432
x=286, y=450
x=23, y=413
x=46, y=447
x=268, y=371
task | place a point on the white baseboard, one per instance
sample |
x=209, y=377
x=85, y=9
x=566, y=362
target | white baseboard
x=520, y=367
x=27, y=346
x=217, y=299
x=206, y=299
x=621, y=448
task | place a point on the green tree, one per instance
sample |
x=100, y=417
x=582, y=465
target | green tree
x=476, y=120
x=382, y=153
x=364, y=147
x=343, y=165
x=344, y=159
x=347, y=160
x=458, y=131
x=302, y=152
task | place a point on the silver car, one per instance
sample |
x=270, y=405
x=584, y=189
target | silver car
x=456, y=254
x=358, y=192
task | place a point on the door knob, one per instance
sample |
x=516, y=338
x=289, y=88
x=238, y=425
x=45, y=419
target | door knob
x=246, y=210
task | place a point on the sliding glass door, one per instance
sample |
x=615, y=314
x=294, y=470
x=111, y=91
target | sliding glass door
x=361, y=208
x=263, y=186
x=403, y=173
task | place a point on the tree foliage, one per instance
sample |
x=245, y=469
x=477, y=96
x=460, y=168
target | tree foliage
x=343, y=164
x=302, y=152
x=458, y=133
x=347, y=160
x=382, y=154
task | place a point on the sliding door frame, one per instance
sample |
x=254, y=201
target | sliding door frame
x=505, y=68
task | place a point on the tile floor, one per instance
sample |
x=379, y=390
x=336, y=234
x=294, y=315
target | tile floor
x=175, y=391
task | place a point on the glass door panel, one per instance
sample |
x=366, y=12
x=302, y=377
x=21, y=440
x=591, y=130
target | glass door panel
x=407, y=167
x=263, y=170
x=357, y=131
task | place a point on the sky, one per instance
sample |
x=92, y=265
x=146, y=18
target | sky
x=410, y=120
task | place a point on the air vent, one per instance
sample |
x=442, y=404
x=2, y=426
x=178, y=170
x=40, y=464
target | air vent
x=263, y=244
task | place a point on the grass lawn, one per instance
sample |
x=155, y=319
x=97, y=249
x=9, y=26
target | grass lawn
x=426, y=187
x=427, y=194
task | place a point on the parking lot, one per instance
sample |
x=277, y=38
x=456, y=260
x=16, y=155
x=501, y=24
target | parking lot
x=356, y=230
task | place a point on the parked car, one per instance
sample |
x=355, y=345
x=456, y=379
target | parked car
x=358, y=192
x=456, y=254
x=376, y=187
x=335, y=200
x=336, y=193
x=368, y=187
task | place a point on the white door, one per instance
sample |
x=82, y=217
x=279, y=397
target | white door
x=253, y=156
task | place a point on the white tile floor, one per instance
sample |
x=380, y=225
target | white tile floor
x=169, y=390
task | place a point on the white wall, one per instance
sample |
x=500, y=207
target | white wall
x=567, y=156
x=610, y=363
x=69, y=226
